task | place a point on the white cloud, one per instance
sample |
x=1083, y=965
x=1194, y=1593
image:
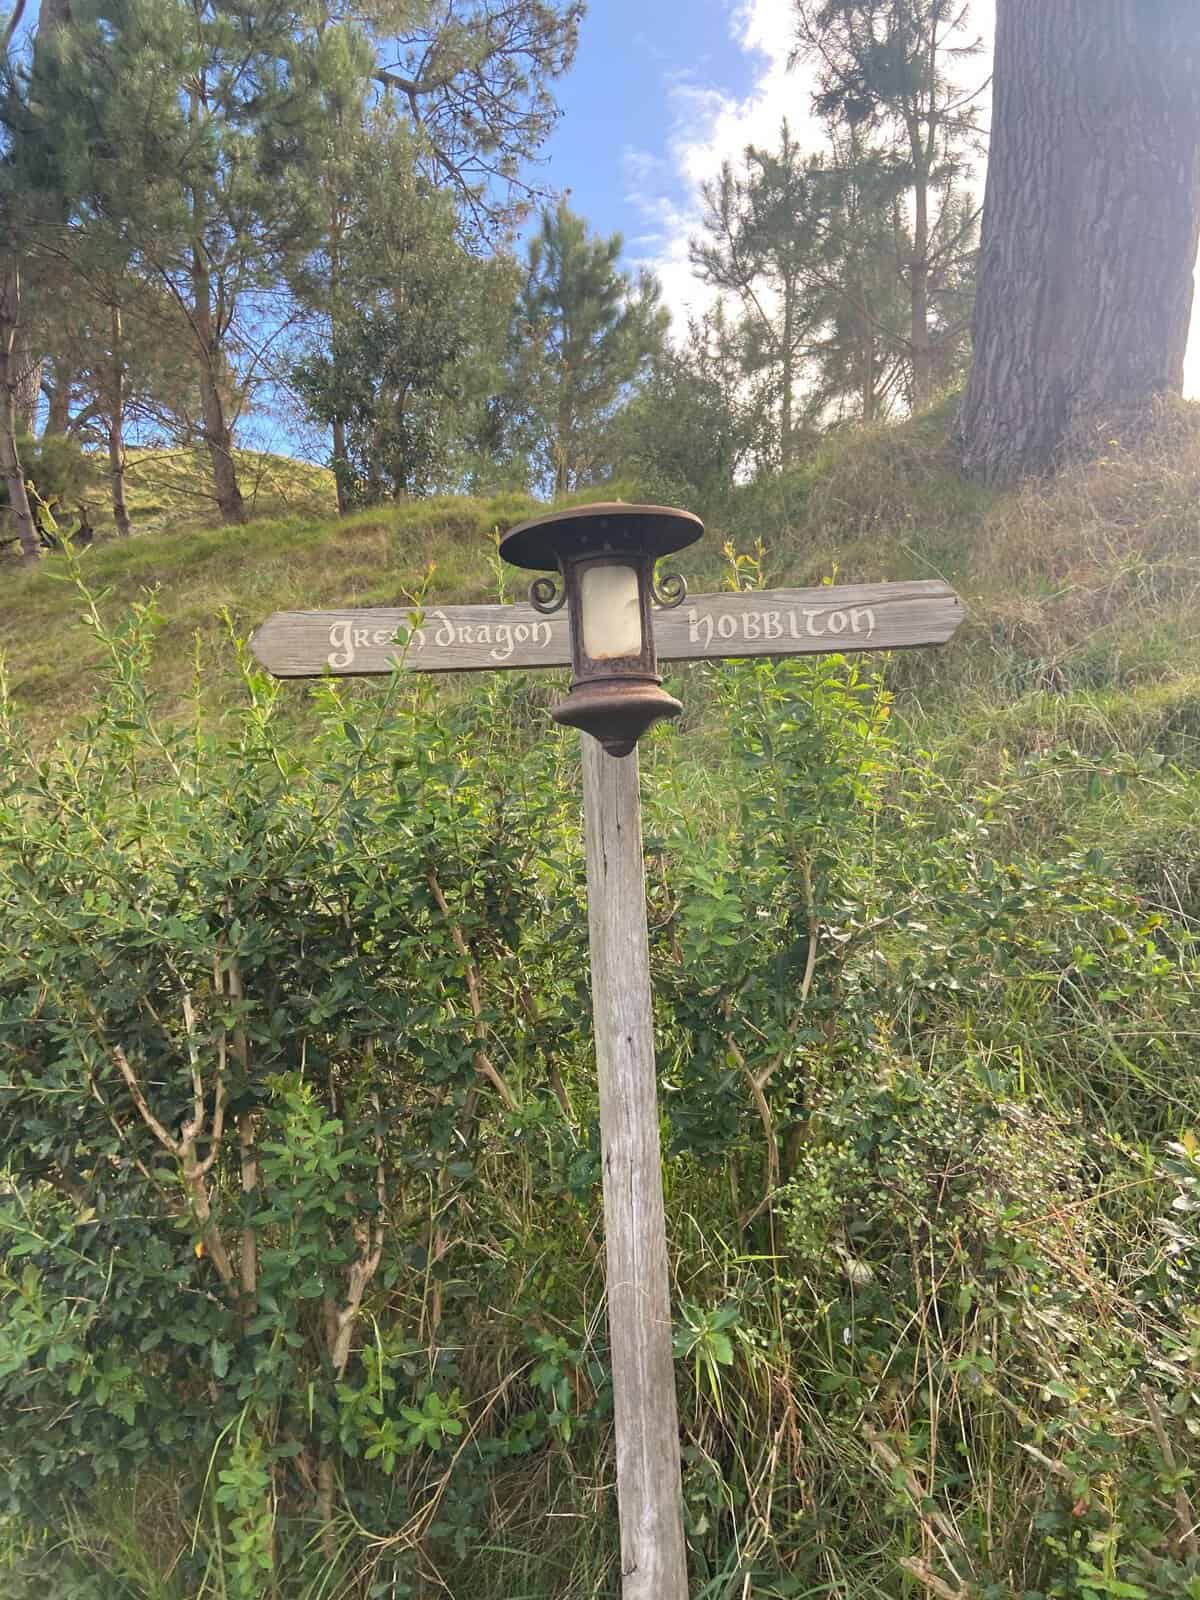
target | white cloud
x=710, y=126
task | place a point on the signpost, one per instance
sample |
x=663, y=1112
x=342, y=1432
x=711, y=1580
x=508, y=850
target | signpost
x=706, y=627
x=602, y=623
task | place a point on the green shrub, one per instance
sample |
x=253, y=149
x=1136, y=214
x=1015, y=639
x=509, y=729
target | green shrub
x=300, y=1276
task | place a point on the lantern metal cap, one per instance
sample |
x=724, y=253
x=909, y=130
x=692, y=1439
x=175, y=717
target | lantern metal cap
x=542, y=543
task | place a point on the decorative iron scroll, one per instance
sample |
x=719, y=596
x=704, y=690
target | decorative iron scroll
x=547, y=595
x=669, y=590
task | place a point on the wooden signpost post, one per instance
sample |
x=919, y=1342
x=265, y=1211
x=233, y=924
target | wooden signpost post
x=612, y=637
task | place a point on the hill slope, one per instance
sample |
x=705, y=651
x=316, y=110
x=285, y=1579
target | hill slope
x=1082, y=588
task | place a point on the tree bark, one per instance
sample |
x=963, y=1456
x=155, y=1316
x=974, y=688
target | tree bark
x=27, y=374
x=341, y=467
x=58, y=410
x=25, y=368
x=10, y=459
x=1090, y=228
x=787, y=378
x=869, y=399
x=341, y=464
x=116, y=427
x=218, y=435
x=562, y=478
x=922, y=352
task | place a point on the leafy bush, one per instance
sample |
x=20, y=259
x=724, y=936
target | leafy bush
x=299, y=1266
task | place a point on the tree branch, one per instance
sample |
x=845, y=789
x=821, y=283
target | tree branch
x=14, y=22
x=1184, y=1512
x=483, y=1062
x=183, y=1149
x=139, y=1100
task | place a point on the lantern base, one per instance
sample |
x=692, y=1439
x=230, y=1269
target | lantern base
x=616, y=711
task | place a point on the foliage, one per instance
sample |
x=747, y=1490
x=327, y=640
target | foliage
x=581, y=334
x=889, y=80
x=862, y=356
x=302, y=1175
x=189, y=1246
x=57, y=468
x=475, y=81
x=411, y=316
x=189, y=138
x=698, y=424
x=204, y=169
x=763, y=238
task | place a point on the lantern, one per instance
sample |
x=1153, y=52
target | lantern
x=607, y=555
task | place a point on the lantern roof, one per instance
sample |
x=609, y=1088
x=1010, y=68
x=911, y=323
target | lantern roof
x=543, y=543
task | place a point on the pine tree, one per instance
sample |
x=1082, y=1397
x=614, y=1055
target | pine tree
x=215, y=138
x=862, y=357
x=891, y=69
x=185, y=129
x=473, y=78
x=115, y=354
x=25, y=202
x=409, y=334
x=582, y=334
x=466, y=103
x=698, y=424
x=859, y=360
x=764, y=230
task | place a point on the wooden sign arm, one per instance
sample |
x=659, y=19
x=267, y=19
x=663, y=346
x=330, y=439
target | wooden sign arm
x=706, y=627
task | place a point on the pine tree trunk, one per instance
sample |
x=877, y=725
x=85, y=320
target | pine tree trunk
x=116, y=472
x=218, y=435
x=116, y=427
x=58, y=411
x=27, y=373
x=1090, y=227
x=787, y=380
x=560, y=452
x=922, y=353
x=219, y=438
x=10, y=460
x=868, y=375
x=340, y=467
x=53, y=14
x=24, y=367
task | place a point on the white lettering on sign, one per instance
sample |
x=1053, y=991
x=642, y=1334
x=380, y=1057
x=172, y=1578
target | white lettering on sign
x=346, y=639
x=343, y=644
x=756, y=626
x=767, y=622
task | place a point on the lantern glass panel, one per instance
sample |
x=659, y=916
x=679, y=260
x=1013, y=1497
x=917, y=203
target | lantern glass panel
x=611, y=611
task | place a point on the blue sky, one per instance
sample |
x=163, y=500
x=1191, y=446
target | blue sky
x=659, y=95
x=661, y=92
x=623, y=100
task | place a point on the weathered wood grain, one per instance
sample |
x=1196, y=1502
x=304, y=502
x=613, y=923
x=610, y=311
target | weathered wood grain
x=769, y=622
x=649, y=1493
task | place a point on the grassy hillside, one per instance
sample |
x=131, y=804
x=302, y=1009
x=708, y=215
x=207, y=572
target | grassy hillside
x=1081, y=594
